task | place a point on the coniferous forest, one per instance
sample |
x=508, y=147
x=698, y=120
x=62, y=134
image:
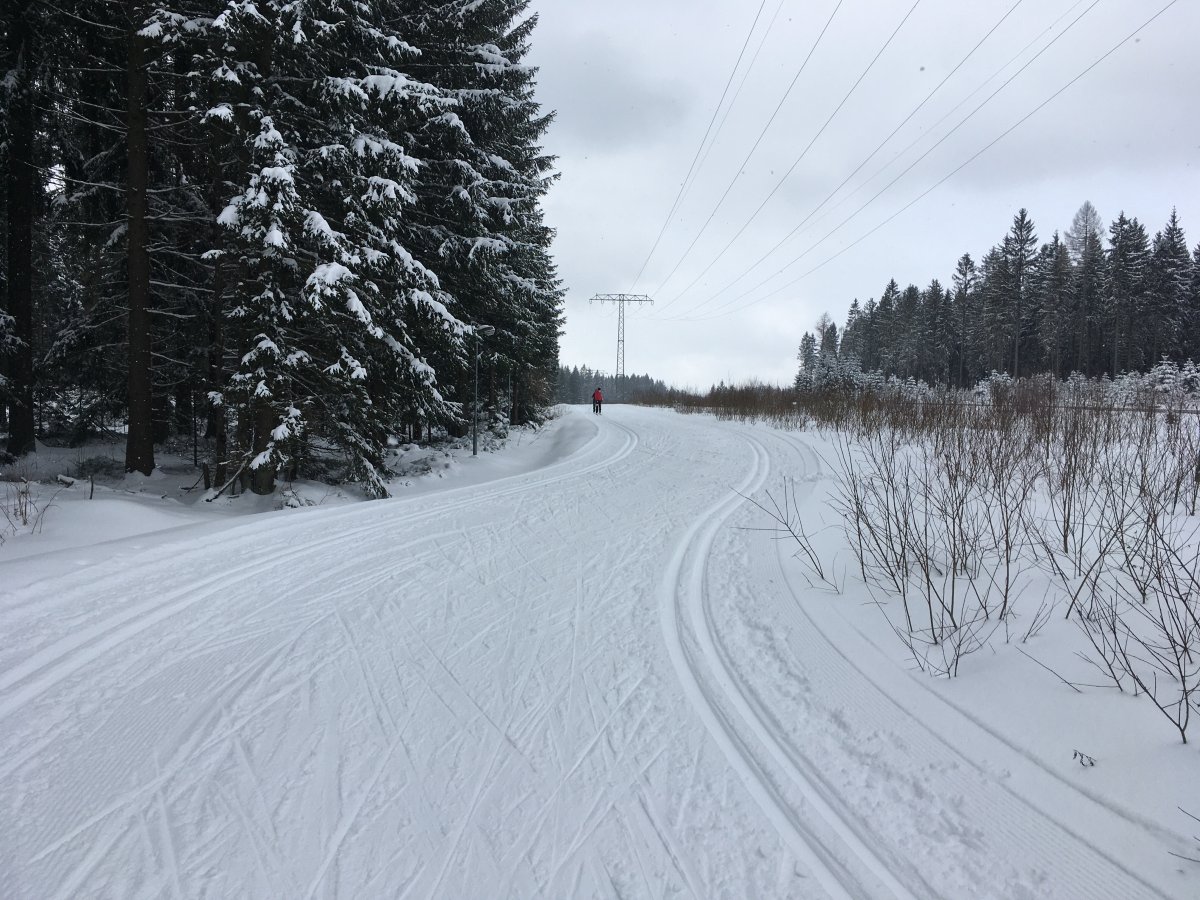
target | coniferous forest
x=1093, y=300
x=576, y=383
x=280, y=224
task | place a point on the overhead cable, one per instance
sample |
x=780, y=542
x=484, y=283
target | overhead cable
x=758, y=140
x=862, y=164
x=950, y=174
x=799, y=159
x=699, y=149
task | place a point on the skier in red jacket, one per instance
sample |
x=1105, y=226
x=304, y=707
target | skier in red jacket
x=597, y=401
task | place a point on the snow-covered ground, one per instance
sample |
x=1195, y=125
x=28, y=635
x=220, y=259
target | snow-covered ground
x=576, y=668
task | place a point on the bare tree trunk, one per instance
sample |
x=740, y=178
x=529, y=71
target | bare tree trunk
x=21, y=187
x=139, y=444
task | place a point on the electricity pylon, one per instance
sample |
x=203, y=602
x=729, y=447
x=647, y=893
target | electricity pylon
x=620, y=300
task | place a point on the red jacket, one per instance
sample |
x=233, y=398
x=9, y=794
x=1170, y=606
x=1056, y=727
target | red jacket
x=597, y=397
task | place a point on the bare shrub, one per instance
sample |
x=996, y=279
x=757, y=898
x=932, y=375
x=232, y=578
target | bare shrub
x=950, y=500
x=790, y=526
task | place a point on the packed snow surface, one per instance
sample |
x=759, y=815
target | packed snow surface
x=582, y=669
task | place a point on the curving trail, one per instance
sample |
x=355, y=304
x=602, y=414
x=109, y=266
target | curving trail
x=588, y=680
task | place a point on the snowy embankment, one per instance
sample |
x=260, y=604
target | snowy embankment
x=594, y=677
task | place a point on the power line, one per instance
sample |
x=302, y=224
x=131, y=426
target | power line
x=861, y=165
x=899, y=154
x=757, y=141
x=699, y=149
x=956, y=170
x=803, y=153
x=742, y=84
x=911, y=165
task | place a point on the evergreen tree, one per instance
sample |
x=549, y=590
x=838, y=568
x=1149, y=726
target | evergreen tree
x=1170, y=284
x=965, y=283
x=852, y=333
x=1192, y=348
x=995, y=332
x=909, y=338
x=935, y=337
x=1126, y=293
x=869, y=345
x=1053, y=293
x=21, y=98
x=1019, y=249
x=262, y=215
x=333, y=317
x=808, y=360
x=887, y=328
x=1088, y=293
x=484, y=177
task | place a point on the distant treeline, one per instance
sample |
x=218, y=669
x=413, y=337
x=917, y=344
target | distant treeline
x=575, y=385
x=1092, y=301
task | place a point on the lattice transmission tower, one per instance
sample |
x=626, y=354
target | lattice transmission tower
x=621, y=300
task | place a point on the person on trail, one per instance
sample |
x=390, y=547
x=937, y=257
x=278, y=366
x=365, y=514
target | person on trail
x=597, y=400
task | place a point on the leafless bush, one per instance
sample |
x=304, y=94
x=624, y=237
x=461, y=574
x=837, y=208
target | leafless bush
x=22, y=509
x=19, y=506
x=916, y=517
x=941, y=654
x=1196, y=838
x=790, y=526
x=950, y=500
x=1143, y=620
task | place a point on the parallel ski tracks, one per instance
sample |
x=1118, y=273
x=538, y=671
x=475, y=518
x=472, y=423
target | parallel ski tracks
x=33, y=676
x=850, y=869
x=1038, y=810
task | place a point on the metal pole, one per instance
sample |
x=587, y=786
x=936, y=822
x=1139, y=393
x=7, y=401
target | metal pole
x=620, y=300
x=480, y=331
x=620, y=351
x=475, y=404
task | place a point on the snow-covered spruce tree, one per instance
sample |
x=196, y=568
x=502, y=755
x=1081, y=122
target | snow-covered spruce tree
x=333, y=318
x=481, y=191
x=1170, y=283
x=1125, y=293
x=964, y=317
x=908, y=339
x=1052, y=293
x=807, y=355
x=935, y=334
x=1088, y=288
x=1192, y=350
x=20, y=101
x=887, y=329
x=85, y=356
x=119, y=269
x=1019, y=248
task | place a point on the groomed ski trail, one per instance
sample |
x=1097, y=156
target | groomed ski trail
x=589, y=680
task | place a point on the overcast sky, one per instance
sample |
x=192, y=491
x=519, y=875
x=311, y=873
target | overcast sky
x=635, y=84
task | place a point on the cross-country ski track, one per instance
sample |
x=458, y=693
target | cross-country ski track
x=596, y=678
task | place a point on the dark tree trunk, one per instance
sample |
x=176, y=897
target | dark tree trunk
x=263, y=478
x=139, y=444
x=21, y=184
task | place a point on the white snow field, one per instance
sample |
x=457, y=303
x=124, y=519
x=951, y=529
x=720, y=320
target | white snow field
x=591, y=678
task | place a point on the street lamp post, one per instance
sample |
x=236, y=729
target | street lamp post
x=480, y=331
